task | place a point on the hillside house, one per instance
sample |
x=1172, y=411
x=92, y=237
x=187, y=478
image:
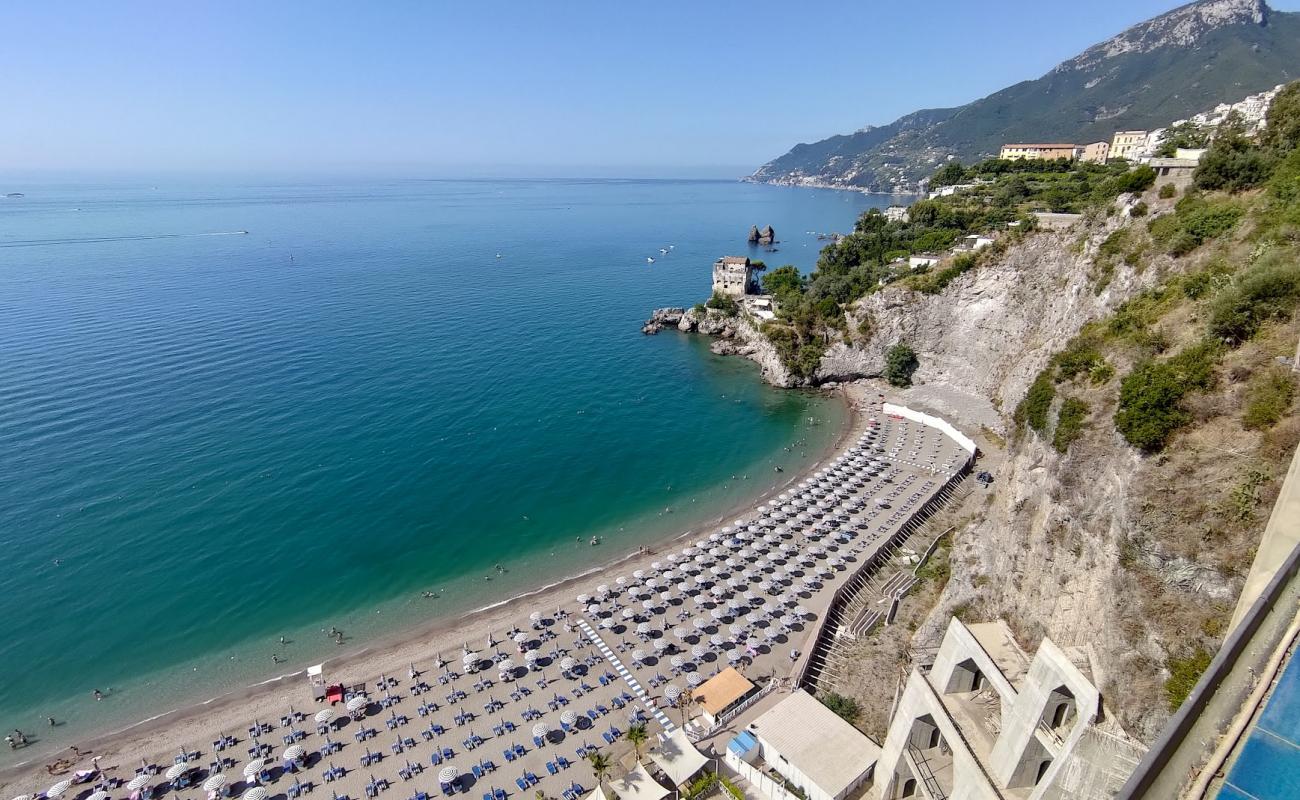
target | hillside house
x=735, y=276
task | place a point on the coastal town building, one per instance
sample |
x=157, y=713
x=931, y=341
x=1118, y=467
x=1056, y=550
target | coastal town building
x=1040, y=152
x=920, y=260
x=1055, y=221
x=735, y=276
x=1177, y=170
x=896, y=214
x=950, y=190
x=809, y=746
x=1127, y=144
x=969, y=244
x=984, y=720
x=1096, y=153
x=721, y=693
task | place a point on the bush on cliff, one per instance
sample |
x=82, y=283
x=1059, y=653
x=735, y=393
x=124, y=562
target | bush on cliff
x=1069, y=423
x=723, y=303
x=1037, y=403
x=1267, y=291
x=1151, y=396
x=1268, y=398
x=900, y=364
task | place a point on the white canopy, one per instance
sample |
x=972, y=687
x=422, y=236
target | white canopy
x=678, y=758
x=638, y=785
x=58, y=788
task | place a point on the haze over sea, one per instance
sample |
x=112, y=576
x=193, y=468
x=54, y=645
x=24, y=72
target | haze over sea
x=209, y=442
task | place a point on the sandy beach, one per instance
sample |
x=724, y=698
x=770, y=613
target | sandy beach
x=197, y=725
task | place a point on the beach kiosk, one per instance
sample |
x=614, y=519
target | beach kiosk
x=316, y=680
x=722, y=693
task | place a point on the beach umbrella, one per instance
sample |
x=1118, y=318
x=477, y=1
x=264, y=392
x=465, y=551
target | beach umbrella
x=648, y=605
x=536, y=616
x=541, y=729
x=469, y=658
x=602, y=589
x=638, y=655
x=256, y=793
x=293, y=752
x=583, y=598
x=520, y=638
x=134, y=785
x=215, y=783
x=638, y=574
x=699, y=624
x=660, y=645
x=681, y=633
x=98, y=795
x=324, y=715
x=694, y=678
x=593, y=610
x=569, y=717
x=716, y=640
x=699, y=651
x=506, y=665
x=671, y=692
x=621, y=580
x=532, y=655
x=358, y=703
x=448, y=774
x=643, y=628
x=58, y=788
x=175, y=771
x=567, y=664
x=253, y=768
x=677, y=661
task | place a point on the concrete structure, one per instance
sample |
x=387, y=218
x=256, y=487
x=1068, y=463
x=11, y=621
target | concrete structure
x=923, y=260
x=896, y=214
x=950, y=190
x=1040, y=152
x=722, y=692
x=1177, y=171
x=735, y=276
x=1128, y=144
x=985, y=721
x=969, y=244
x=1052, y=221
x=1096, y=153
x=813, y=748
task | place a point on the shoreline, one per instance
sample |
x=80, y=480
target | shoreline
x=197, y=722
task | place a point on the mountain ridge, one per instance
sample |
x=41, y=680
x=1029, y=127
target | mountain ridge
x=1169, y=67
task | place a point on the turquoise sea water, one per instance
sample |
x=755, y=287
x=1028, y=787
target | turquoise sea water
x=207, y=442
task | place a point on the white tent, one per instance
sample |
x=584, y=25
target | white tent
x=638, y=785
x=598, y=794
x=678, y=758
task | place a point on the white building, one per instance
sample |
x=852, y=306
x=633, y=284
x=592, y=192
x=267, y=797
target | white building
x=985, y=721
x=969, y=244
x=923, y=260
x=810, y=746
x=896, y=214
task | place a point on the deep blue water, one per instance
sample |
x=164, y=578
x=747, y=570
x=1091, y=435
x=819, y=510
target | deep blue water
x=207, y=442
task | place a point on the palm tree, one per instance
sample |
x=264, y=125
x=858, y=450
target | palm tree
x=683, y=704
x=540, y=795
x=637, y=735
x=601, y=765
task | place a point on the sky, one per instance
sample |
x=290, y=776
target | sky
x=487, y=88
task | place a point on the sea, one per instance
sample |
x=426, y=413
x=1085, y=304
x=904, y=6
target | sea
x=235, y=411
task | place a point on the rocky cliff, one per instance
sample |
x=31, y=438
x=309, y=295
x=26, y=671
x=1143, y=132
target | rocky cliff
x=736, y=335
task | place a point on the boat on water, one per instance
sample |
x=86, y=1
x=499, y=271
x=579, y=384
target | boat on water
x=15, y=195
x=649, y=260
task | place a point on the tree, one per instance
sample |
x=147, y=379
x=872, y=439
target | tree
x=637, y=735
x=1233, y=162
x=683, y=704
x=947, y=175
x=600, y=766
x=900, y=363
x=1282, y=132
x=783, y=282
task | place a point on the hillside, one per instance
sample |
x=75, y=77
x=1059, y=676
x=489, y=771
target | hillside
x=1167, y=68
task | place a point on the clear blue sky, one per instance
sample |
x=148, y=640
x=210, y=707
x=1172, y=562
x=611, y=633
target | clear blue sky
x=482, y=87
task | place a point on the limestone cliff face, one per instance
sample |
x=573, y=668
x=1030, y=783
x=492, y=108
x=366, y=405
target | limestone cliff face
x=738, y=335
x=991, y=330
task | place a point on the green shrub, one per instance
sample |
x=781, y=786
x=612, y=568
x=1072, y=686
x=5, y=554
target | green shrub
x=1037, y=403
x=1078, y=358
x=724, y=303
x=1194, y=221
x=1268, y=398
x=1139, y=209
x=1069, y=423
x=846, y=707
x=1233, y=163
x=900, y=364
x=1184, y=672
x=1150, y=397
x=1167, y=191
x=1267, y=291
x=936, y=282
x=699, y=308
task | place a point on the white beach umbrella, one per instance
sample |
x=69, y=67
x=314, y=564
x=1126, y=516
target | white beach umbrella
x=567, y=664
x=467, y=659
x=694, y=678
x=660, y=645
x=638, y=574
x=583, y=598
x=541, y=729
x=638, y=655
x=671, y=692
x=58, y=788
x=448, y=774
x=677, y=661
x=531, y=656
x=324, y=715
x=506, y=665
x=621, y=580
x=215, y=783
x=175, y=771
x=602, y=589
x=293, y=751
x=256, y=793
x=520, y=638
x=135, y=784
x=699, y=651
x=359, y=702
x=99, y=795
x=254, y=767
x=593, y=610
x=681, y=633
x=569, y=717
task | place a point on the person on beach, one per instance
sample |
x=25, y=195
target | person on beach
x=51, y=721
x=98, y=695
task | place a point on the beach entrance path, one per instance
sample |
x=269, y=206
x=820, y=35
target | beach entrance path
x=626, y=675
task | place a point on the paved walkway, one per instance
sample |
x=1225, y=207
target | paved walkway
x=627, y=677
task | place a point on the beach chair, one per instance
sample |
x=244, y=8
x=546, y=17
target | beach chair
x=448, y=753
x=551, y=768
x=523, y=787
x=563, y=762
x=476, y=770
x=435, y=758
x=519, y=750
x=537, y=742
x=509, y=754
x=592, y=715
x=608, y=739
x=498, y=794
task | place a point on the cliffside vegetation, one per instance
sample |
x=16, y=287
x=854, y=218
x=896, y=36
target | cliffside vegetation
x=1195, y=375
x=998, y=197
